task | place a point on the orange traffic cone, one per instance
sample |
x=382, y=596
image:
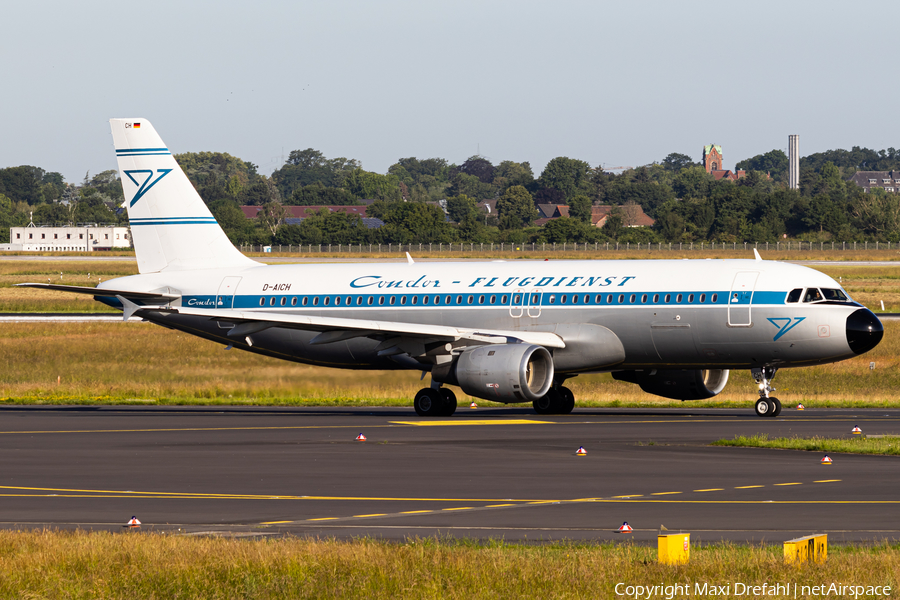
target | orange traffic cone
x=625, y=528
x=473, y=405
x=826, y=460
x=360, y=438
x=801, y=407
x=856, y=431
x=133, y=523
x=581, y=451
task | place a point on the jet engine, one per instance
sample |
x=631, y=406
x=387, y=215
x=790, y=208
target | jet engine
x=678, y=384
x=505, y=372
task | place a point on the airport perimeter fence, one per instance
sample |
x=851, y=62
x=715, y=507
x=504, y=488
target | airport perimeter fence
x=574, y=247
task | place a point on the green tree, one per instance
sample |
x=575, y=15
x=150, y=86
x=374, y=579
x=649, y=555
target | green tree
x=773, y=162
x=22, y=184
x=580, y=208
x=692, y=182
x=411, y=223
x=461, y=208
x=568, y=230
x=568, y=175
x=515, y=208
x=613, y=227
x=232, y=220
x=509, y=173
x=319, y=195
x=324, y=227
x=364, y=184
x=675, y=162
x=462, y=184
x=306, y=167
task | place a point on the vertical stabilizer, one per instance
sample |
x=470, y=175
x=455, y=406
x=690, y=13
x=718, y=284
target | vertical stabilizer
x=171, y=227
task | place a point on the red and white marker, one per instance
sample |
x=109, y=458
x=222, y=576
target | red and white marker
x=801, y=407
x=625, y=528
x=133, y=522
x=581, y=451
x=360, y=438
x=856, y=431
x=473, y=405
x=827, y=460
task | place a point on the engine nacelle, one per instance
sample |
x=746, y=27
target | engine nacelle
x=678, y=384
x=505, y=372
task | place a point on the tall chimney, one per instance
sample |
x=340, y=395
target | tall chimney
x=794, y=162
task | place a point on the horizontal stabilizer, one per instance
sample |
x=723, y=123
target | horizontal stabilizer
x=104, y=292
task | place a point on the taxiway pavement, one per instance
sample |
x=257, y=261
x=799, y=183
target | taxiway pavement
x=484, y=473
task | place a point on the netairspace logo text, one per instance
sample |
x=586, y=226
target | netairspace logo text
x=750, y=590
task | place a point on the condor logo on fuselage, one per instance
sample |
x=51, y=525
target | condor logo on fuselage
x=784, y=324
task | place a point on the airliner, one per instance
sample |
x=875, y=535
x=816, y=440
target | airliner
x=509, y=332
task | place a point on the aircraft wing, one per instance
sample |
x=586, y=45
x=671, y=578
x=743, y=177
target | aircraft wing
x=77, y=289
x=335, y=329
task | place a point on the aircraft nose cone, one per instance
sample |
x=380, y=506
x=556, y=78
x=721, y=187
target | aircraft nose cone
x=864, y=331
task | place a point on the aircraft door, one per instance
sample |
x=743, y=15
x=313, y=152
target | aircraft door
x=517, y=302
x=533, y=299
x=227, y=289
x=739, y=300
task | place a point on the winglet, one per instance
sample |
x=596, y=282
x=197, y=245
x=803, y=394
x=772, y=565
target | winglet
x=756, y=254
x=409, y=259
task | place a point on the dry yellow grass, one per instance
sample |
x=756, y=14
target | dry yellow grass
x=112, y=362
x=100, y=565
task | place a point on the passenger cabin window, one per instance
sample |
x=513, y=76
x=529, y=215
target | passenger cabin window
x=794, y=295
x=812, y=295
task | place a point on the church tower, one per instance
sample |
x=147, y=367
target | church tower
x=712, y=158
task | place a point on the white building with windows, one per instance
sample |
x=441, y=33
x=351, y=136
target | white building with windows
x=83, y=238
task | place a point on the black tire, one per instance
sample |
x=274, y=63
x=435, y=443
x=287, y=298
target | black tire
x=547, y=404
x=776, y=403
x=449, y=402
x=429, y=403
x=566, y=401
x=764, y=407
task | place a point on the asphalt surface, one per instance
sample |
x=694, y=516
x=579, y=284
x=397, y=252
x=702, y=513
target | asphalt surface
x=483, y=473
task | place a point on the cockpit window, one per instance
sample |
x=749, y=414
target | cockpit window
x=812, y=295
x=794, y=295
x=835, y=295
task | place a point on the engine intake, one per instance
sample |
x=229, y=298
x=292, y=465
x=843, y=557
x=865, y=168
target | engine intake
x=678, y=384
x=505, y=372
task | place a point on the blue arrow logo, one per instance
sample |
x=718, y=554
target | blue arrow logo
x=149, y=182
x=785, y=324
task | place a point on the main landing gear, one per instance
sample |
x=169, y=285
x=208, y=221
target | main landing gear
x=435, y=402
x=766, y=406
x=557, y=401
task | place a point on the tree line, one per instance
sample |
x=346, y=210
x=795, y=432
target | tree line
x=433, y=201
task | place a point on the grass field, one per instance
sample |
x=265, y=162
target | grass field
x=46, y=564
x=852, y=444
x=117, y=362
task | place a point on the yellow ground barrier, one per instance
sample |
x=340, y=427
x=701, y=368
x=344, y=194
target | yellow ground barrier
x=673, y=548
x=807, y=548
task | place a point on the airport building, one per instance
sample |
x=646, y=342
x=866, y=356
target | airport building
x=82, y=238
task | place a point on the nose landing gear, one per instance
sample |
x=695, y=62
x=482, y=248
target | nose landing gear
x=766, y=406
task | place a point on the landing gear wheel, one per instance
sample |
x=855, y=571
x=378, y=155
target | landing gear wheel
x=548, y=404
x=449, y=402
x=765, y=407
x=429, y=403
x=776, y=406
x=567, y=401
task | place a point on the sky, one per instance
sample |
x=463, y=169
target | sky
x=611, y=83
